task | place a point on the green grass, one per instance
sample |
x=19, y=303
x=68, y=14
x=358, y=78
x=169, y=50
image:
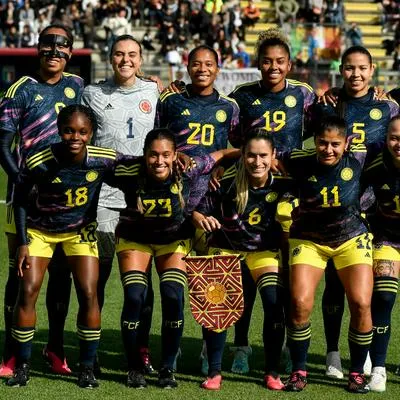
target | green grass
x=45, y=385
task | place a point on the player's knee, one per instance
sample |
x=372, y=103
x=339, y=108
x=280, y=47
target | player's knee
x=360, y=306
x=300, y=311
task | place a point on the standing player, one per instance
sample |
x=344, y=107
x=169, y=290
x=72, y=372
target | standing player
x=67, y=177
x=281, y=106
x=201, y=118
x=155, y=224
x=328, y=225
x=241, y=215
x=383, y=175
x=125, y=108
x=28, y=115
x=367, y=120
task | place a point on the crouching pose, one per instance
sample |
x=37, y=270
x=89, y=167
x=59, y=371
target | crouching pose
x=66, y=179
x=241, y=217
x=155, y=224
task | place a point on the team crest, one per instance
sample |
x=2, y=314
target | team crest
x=346, y=174
x=221, y=116
x=91, y=176
x=271, y=197
x=375, y=114
x=145, y=106
x=290, y=101
x=69, y=92
x=296, y=251
x=215, y=290
x=175, y=188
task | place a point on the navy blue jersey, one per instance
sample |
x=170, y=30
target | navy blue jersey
x=384, y=178
x=163, y=220
x=30, y=108
x=329, y=197
x=66, y=197
x=256, y=229
x=200, y=127
x=367, y=119
x=283, y=114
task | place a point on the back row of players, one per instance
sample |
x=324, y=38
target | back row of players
x=155, y=221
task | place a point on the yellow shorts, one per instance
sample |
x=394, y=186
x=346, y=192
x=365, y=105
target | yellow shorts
x=284, y=213
x=200, y=243
x=253, y=259
x=357, y=250
x=386, y=253
x=156, y=250
x=10, y=222
x=74, y=244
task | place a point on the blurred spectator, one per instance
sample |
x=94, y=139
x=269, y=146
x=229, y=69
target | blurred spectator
x=74, y=14
x=115, y=25
x=136, y=12
x=213, y=6
x=169, y=40
x=235, y=41
x=26, y=16
x=313, y=48
x=226, y=50
x=237, y=23
x=12, y=37
x=172, y=56
x=147, y=41
x=216, y=48
x=39, y=24
x=334, y=12
x=9, y=16
x=124, y=4
x=88, y=27
x=251, y=14
x=242, y=56
x=27, y=37
x=230, y=62
x=315, y=11
x=182, y=30
x=286, y=10
x=354, y=35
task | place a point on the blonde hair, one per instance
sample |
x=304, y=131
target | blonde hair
x=271, y=37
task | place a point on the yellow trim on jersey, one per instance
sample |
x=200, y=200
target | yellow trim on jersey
x=302, y=153
x=298, y=83
x=245, y=84
x=93, y=151
x=229, y=99
x=39, y=158
x=378, y=161
x=123, y=170
x=166, y=94
x=229, y=173
x=13, y=88
x=69, y=74
x=358, y=148
x=276, y=176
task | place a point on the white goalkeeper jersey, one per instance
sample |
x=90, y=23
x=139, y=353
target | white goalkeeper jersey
x=125, y=116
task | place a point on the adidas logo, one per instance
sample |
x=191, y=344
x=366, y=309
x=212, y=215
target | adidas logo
x=109, y=107
x=385, y=187
x=367, y=254
x=38, y=97
x=56, y=180
x=256, y=103
x=185, y=112
x=312, y=179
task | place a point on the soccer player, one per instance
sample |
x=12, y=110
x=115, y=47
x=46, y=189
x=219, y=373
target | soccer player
x=328, y=225
x=200, y=117
x=282, y=107
x=125, y=107
x=67, y=177
x=241, y=215
x=28, y=115
x=367, y=120
x=155, y=224
x=383, y=175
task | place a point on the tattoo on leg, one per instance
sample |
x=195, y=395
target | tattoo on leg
x=383, y=268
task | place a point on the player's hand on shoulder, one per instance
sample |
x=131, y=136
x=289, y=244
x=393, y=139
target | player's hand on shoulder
x=216, y=176
x=205, y=223
x=330, y=97
x=176, y=87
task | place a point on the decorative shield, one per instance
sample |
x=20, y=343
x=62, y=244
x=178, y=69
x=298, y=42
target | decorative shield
x=215, y=290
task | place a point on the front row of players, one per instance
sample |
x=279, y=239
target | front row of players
x=242, y=214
